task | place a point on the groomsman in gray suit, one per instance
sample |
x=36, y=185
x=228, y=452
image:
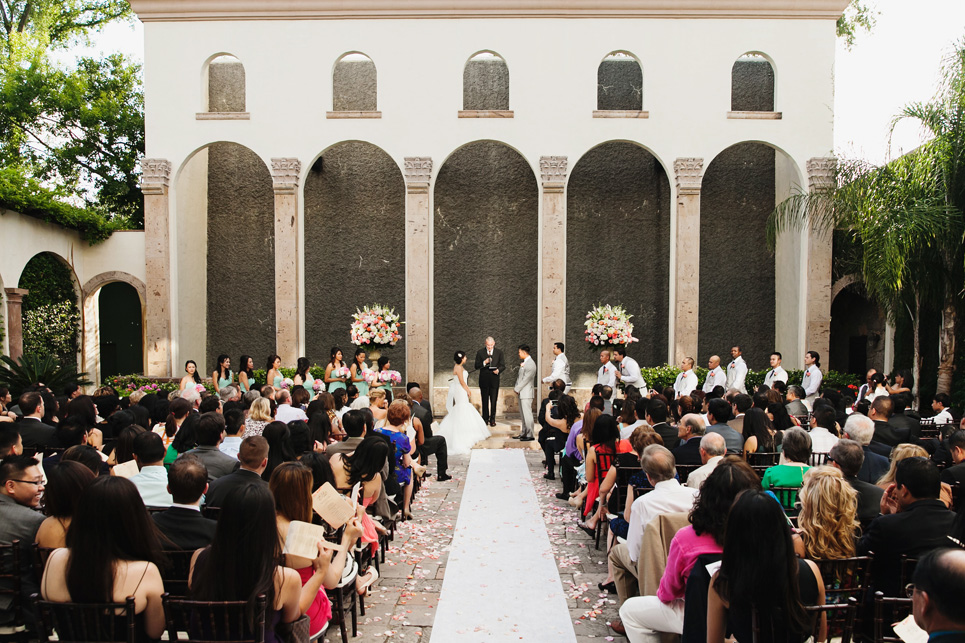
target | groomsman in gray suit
x=526, y=391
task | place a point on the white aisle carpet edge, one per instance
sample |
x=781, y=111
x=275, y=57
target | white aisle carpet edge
x=501, y=581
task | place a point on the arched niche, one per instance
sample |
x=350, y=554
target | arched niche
x=224, y=251
x=223, y=84
x=749, y=295
x=619, y=83
x=857, y=340
x=752, y=84
x=485, y=82
x=354, y=245
x=113, y=325
x=485, y=254
x=354, y=84
x=51, y=281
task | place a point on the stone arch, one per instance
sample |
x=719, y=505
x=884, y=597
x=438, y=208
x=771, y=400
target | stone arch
x=101, y=332
x=223, y=84
x=354, y=83
x=753, y=83
x=104, y=278
x=485, y=82
x=857, y=332
x=354, y=198
x=619, y=82
x=485, y=252
x=47, y=293
x=844, y=282
x=618, y=194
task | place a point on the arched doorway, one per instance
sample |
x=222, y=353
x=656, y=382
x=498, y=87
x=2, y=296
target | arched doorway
x=51, y=313
x=121, y=330
x=857, y=333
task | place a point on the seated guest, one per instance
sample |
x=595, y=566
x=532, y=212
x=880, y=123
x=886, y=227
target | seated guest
x=668, y=496
x=644, y=616
x=252, y=458
x=182, y=524
x=861, y=429
x=827, y=524
x=847, y=455
x=898, y=454
x=280, y=447
x=259, y=415
x=938, y=585
x=286, y=412
x=242, y=562
x=759, y=435
x=712, y=451
x=885, y=433
x=553, y=438
x=354, y=424
x=23, y=486
x=657, y=418
x=10, y=441
x=632, y=415
x=903, y=418
x=795, y=456
x=112, y=552
x=365, y=467
x=211, y=427
x=760, y=571
x=34, y=432
x=234, y=421
x=941, y=405
x=152, y=481
x=794, y=404
x=210, y=404
x=913, y=521
x=66, y=481
x=956, y=448
x=605, y=444
x=431, y=444
x=690, y=430
x=739, y=407
x=718, y=410
x=823, y=429
x=87, y=456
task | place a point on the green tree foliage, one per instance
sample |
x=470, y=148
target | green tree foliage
x=51, y=317
x=856, y=18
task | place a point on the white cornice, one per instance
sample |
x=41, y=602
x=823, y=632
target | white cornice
x=181, y=10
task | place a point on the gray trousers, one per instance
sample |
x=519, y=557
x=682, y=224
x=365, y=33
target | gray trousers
x=526, y=411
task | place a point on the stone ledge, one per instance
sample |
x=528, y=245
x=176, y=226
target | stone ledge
x=620, y=113
x=755, y=116
x=353, y=114
x=485, y=113
x=223, y=116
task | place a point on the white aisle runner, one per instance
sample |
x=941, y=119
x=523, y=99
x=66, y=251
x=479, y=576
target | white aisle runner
x=501, y=581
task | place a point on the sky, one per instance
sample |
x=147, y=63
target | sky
x=896, y=64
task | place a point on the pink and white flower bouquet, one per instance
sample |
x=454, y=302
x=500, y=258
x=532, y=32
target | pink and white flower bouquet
x=390, y=377
x=318, y=385
x=287, y=383
x=376, y=324
x=608, y=326
x=199, y=388
x=370, y=376
x=342, y=372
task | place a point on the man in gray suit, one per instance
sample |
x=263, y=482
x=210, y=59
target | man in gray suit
x=526, y=391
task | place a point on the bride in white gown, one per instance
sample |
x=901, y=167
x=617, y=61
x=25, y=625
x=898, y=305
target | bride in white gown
x=462, y=427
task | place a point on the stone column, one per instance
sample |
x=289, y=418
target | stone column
x=284, y=175
x=158, y=327
x=818, y=285
x=15, y=321
x=418, y=252
x=689, y=173
x=552, y=312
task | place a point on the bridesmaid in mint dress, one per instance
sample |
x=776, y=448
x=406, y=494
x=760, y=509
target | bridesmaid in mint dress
x=334, y=363
x=303, y=376
x=385, y=365
x=246, y=374
x=274, y=374
x=222, y=376
x=358, y=367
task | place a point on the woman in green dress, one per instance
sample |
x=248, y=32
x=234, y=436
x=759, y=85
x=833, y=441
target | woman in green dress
x=246, y=374
x=336, y=362
x=273, y=367
x=384, y=366
x=358, y=372
x=303, y=375
x=222, y=376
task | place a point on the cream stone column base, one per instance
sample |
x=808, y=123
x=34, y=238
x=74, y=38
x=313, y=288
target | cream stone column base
x=818, y=302
x=284, y=175
x=158, y=326
x=689, y=174
x=418, y=311
x=15, y=321
x=552, y=313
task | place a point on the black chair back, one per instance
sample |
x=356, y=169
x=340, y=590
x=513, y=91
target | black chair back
x=82, y=622
x=10, y=581
x=214, y=621
x=840, y=619
x=38, y=558
x=764, y=458
x=788, y=498
x=175, y=573
x=818, y=459
x=684, y=471
x=887, y=611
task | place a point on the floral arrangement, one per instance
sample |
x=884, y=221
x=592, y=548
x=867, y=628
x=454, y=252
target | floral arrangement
x=390, y=377
x=376, y=324
x=287, y=383
x=318, y=385
x=608, y=326
x=342, y=372
x=199, y=388
x=370, y=376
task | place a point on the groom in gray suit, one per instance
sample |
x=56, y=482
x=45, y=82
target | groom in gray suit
x=526, y=391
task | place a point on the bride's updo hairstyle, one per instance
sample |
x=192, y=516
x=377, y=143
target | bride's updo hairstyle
x=459, y=356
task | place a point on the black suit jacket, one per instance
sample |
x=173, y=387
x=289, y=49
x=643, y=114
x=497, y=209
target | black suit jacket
x=36, y=434
x=886, y=433
x=869, y=501
x=688, y=452
x=486, y=375
x=873, y=467
x=186, y=528
x=220, y=488
x=906, y=425
x=880, y=448
x=428, y=407
x=425, y=417
x=669, y=435
x=955, y=475
x=921, y=527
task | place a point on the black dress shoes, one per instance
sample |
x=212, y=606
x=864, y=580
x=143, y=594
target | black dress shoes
x=442, y=477
x=527, y=439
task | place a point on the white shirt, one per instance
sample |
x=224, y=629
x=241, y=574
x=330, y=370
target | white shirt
x=152, y=484
x=775, y=375
x=627, y=431
x=714, y=379
x=342, y=411
x=821, y=440
x=686, y=383
x=697, y=476
x=287, y=413
x=667, y=497
x=943, y=418
x=736, y=374
x=630, y=373
x=607, y=376
x=561, y=370
x=231, y=445
x=811, y=382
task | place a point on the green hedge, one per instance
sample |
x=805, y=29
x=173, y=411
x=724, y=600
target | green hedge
x=659, y=377
x=127, y=384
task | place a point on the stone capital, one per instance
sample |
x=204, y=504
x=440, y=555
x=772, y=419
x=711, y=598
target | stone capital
x=284, y=175
x=418, y=173
x=821, y=173
x=15, y=295
x=552, y=170
x=155, y=176
x=689, y=172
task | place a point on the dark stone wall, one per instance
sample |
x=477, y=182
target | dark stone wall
x=619, y=84
x=736, y=267
x=486, y=254
x=241, y=256
x=354, y=246
x=752, y=86
x=354, y=84
x=618, y=249
x=485, y=84
x=226, y=87
x=122, y=339
x=857, y=327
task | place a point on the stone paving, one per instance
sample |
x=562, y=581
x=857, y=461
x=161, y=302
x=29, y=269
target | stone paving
x=402, y=604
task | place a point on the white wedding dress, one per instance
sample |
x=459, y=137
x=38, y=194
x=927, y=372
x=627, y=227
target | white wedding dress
x=463, y=426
